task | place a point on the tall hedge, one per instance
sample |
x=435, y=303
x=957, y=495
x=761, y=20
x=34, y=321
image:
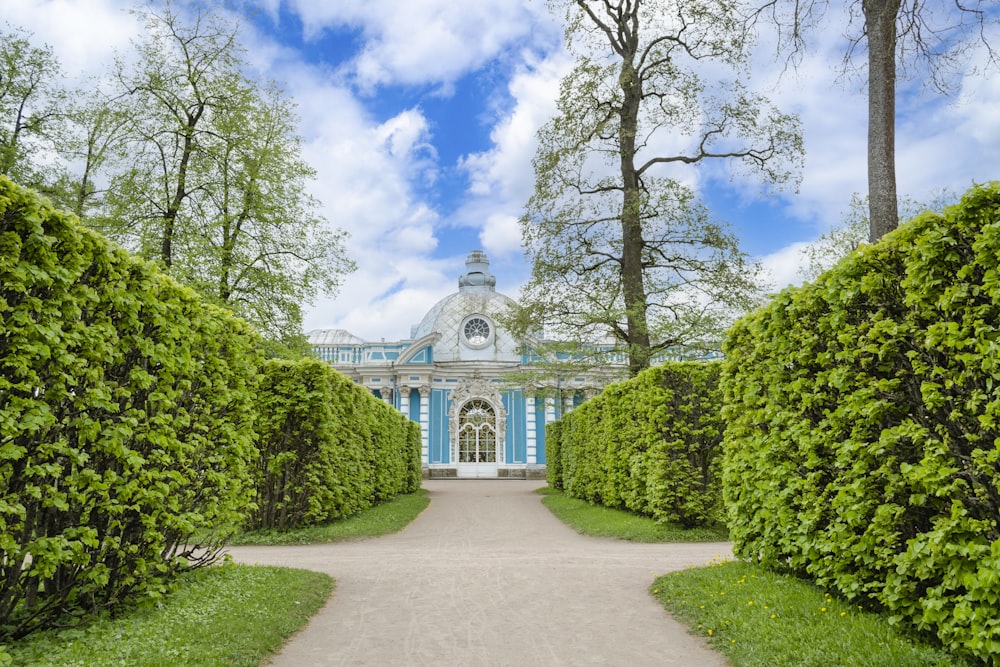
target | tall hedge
x=650, y=444
x=125, y=419
x=328, y=447
x=863, y=414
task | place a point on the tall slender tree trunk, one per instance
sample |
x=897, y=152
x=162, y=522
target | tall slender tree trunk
x=180, y=191
x=880, y=23
x=633, y=285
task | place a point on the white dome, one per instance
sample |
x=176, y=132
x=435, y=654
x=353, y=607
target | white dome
x=468, y=320
x=332, y=337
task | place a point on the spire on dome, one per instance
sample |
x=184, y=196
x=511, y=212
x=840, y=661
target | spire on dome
x=477, y=273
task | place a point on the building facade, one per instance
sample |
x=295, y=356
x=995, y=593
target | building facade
x=453, y=377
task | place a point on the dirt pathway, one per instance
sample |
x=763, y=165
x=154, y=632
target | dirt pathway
x=487, y=576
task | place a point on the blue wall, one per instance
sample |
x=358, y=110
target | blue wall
x=517, y=427
x=414, y=405
x=439, y=450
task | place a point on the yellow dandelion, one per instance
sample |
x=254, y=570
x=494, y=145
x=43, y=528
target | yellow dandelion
x=823, y=609
x=843, y=613
x=774, y=616
x=750, y=602
x=710, y=632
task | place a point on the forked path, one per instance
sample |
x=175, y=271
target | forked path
x=487, y=576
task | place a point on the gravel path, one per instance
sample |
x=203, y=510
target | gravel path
x=487, y=576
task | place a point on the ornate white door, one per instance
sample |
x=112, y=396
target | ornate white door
x=477, y=440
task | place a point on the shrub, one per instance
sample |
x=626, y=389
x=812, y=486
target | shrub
x=125, y=420
x=649, y=445
x=861, y=442
x=553, y=455
x=328, y=447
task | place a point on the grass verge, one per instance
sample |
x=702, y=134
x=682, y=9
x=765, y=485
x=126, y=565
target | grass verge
x=229, y=615
x=759, y=618
x=599, y=521
x=389, y=517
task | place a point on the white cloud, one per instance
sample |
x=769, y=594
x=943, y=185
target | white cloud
x=949, y=143
x=380, y=176
x=782, y=266
x=365, y=174
x=941, y=143
x=84, y=34
x=501, y=179
x=505, y=170
x=501, y=236
x=421, y=41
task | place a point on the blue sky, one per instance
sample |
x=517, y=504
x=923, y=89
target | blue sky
x=420, y=118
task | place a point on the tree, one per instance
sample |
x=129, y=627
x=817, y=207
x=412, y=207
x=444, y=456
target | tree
x=841, y=240
x=251, y=258
x=207, y=176
x=619, y=247
x=30, y=105
x=95, y=130
x=902, y=37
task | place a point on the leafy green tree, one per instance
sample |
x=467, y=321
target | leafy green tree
x=94, y=132
x=620, y=248
x=208, y=177
x=841, y=240
x=30, y=107
x=900, y=37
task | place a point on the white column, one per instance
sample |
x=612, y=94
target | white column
x=404, y=400
x=532, y=445
x=550, y=409
x=425, y=423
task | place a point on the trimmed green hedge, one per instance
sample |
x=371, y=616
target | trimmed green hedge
x=125, y=420
x=862, y=437
x=649, y=445
x=328, y=447
x=553, y=455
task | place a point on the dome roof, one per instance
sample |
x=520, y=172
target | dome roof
x=332, y=337
x=476, y=296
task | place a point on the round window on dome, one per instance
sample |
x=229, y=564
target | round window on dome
x=477, y=331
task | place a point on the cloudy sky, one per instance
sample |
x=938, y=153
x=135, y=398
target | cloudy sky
x=420, y=118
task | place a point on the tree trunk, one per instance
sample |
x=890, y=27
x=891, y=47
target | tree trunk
x=880, y=24
x=633, y=285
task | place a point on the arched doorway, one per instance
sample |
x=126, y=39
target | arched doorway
x=477, y=439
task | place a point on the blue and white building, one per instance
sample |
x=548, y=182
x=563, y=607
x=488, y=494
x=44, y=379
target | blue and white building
x=449, y=377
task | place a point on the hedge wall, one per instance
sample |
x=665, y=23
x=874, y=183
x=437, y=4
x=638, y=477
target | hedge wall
x=125, y=419
x=862, y=415
x=328, y=447
x=649, y=445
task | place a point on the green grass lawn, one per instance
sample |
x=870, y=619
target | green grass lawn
x=599, y=521
x=755, y=617
x=226, y=616
x=758, y=618
x=389, y=517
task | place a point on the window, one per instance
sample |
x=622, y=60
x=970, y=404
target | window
x=477, y=331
